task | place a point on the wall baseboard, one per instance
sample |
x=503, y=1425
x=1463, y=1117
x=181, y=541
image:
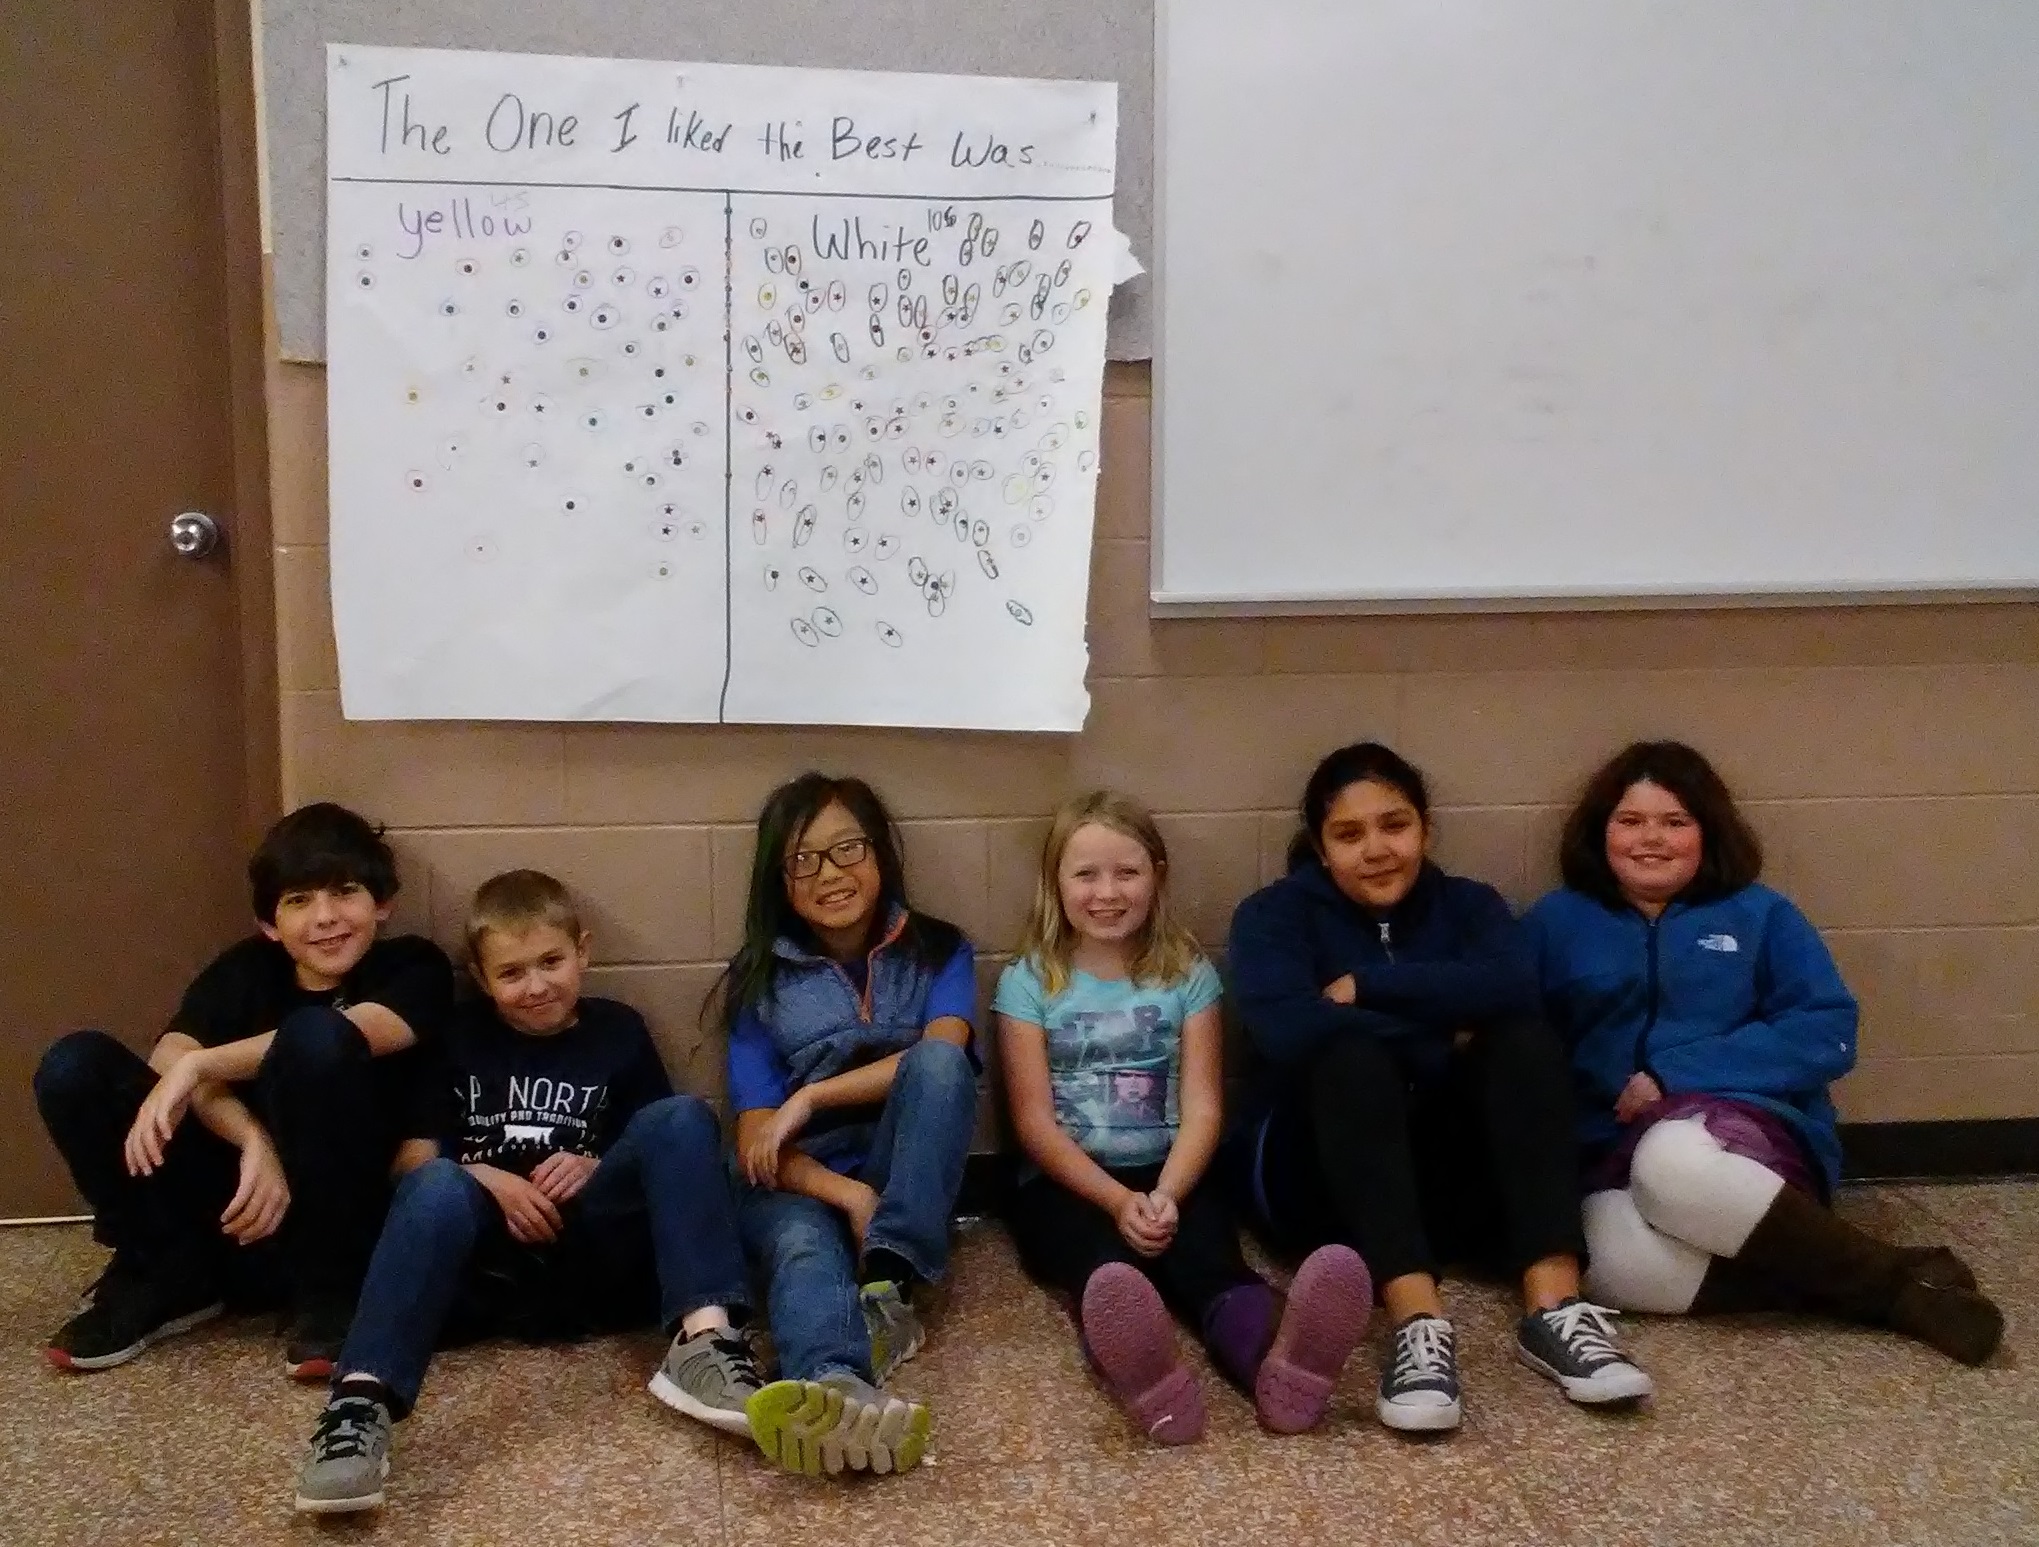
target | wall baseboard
x=1942, y=1151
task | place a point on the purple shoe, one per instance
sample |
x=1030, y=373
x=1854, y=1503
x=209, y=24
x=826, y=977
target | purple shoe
x=1323, y=1323
x=1132, y=1341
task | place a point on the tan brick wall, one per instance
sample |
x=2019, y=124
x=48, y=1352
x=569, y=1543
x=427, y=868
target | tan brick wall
x=1889, y=755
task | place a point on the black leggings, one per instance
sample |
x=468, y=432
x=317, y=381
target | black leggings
x=326, y=1104
x=1063, y=1239
x=1478, y=1165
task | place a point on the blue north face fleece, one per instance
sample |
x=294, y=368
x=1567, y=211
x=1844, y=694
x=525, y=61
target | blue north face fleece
x=1736, y=997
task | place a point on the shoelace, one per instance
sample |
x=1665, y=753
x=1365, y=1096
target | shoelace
x=1423, y=1351
x=1586, y=1331
x=742, y=1359
x=344, y=1428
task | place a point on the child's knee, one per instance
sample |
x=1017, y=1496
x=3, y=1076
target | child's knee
x=1522, y=1047
x=684, y=1120
x=75, y=1069
x=1633, y=1267
x=938, y=1065
x=316, y=1043
x=1355, y=1071
x=1686, y=1185
x=439, y=1191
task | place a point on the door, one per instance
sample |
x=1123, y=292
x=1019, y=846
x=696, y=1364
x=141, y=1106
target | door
x=126, y=791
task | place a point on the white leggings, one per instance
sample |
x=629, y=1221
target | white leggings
x=1688, y=1200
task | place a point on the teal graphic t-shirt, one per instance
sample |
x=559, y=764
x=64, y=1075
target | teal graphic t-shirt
x=1114, y=1055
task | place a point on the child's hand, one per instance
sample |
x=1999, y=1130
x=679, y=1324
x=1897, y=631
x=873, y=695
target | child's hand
x=1637, y=1096
x=1343, y=990
x=562, y=1174
x=532, y=1217
x=1162, y=1210
x=861, y=1206
x=761, y=1156
x=161, y=1111
x=1138, y=1227
x=259, y=1203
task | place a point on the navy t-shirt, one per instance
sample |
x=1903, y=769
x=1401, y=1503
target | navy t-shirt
x=505, y=1098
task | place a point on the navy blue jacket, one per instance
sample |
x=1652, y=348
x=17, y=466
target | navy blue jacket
x=1736, y=997
x=1448, y=956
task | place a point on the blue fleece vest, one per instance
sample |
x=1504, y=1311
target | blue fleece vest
x=822, y=1026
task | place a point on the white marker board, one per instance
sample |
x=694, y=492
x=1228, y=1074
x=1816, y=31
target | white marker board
x=1659, y=300
x=713, y=393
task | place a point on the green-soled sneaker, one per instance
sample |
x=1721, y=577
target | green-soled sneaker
x=893, y=1325
x=838, y=1424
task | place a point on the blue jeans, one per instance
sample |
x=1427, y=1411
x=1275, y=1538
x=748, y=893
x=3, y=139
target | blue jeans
x=657, y=1205
x=803, y=1248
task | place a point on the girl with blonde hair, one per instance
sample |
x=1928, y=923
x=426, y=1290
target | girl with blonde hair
x=1109, y=1041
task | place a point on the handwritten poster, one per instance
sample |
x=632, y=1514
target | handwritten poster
x=713, y=393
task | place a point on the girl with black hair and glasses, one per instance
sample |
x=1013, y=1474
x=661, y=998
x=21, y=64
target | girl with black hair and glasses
x=854, y=1086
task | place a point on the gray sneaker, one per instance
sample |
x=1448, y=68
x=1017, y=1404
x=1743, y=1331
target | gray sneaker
x=836, y=1424
x=710, y=1376
x=1574, y=1345
x=894, y=1326
x=349, y=1458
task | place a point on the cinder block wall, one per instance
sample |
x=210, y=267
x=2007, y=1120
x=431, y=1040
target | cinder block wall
x=1889, y=755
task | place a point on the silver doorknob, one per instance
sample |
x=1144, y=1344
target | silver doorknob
x=194, y=534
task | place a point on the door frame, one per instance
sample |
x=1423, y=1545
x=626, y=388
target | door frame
x=244, y=273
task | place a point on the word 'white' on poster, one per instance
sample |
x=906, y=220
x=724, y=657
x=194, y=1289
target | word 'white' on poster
x=712, y=393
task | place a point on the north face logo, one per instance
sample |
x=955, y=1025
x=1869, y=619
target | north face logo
x=1718, y=943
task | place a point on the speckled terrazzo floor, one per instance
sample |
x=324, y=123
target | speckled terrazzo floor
x=1766, y=1430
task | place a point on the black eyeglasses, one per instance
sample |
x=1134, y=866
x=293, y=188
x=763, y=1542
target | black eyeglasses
x=802, y=863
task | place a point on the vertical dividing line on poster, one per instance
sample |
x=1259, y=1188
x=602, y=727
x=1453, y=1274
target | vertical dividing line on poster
x=728, y=452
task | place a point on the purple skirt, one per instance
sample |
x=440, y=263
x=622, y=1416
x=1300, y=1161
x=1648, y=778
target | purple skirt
x=1741, y=1127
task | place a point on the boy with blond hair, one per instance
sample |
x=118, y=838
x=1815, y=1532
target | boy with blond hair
x=556, y=1187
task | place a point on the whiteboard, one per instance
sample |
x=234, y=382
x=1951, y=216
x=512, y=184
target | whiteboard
x=701, y=392
x=1515, y=301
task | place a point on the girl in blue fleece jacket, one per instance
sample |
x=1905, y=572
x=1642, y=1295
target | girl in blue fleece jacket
x=1706, y=1020
x=1410, y=1101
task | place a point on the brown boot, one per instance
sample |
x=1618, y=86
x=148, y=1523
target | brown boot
x=1847, y=1272
x=1731, y=1285
x=1961, y=1323
x=1938, y=1266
